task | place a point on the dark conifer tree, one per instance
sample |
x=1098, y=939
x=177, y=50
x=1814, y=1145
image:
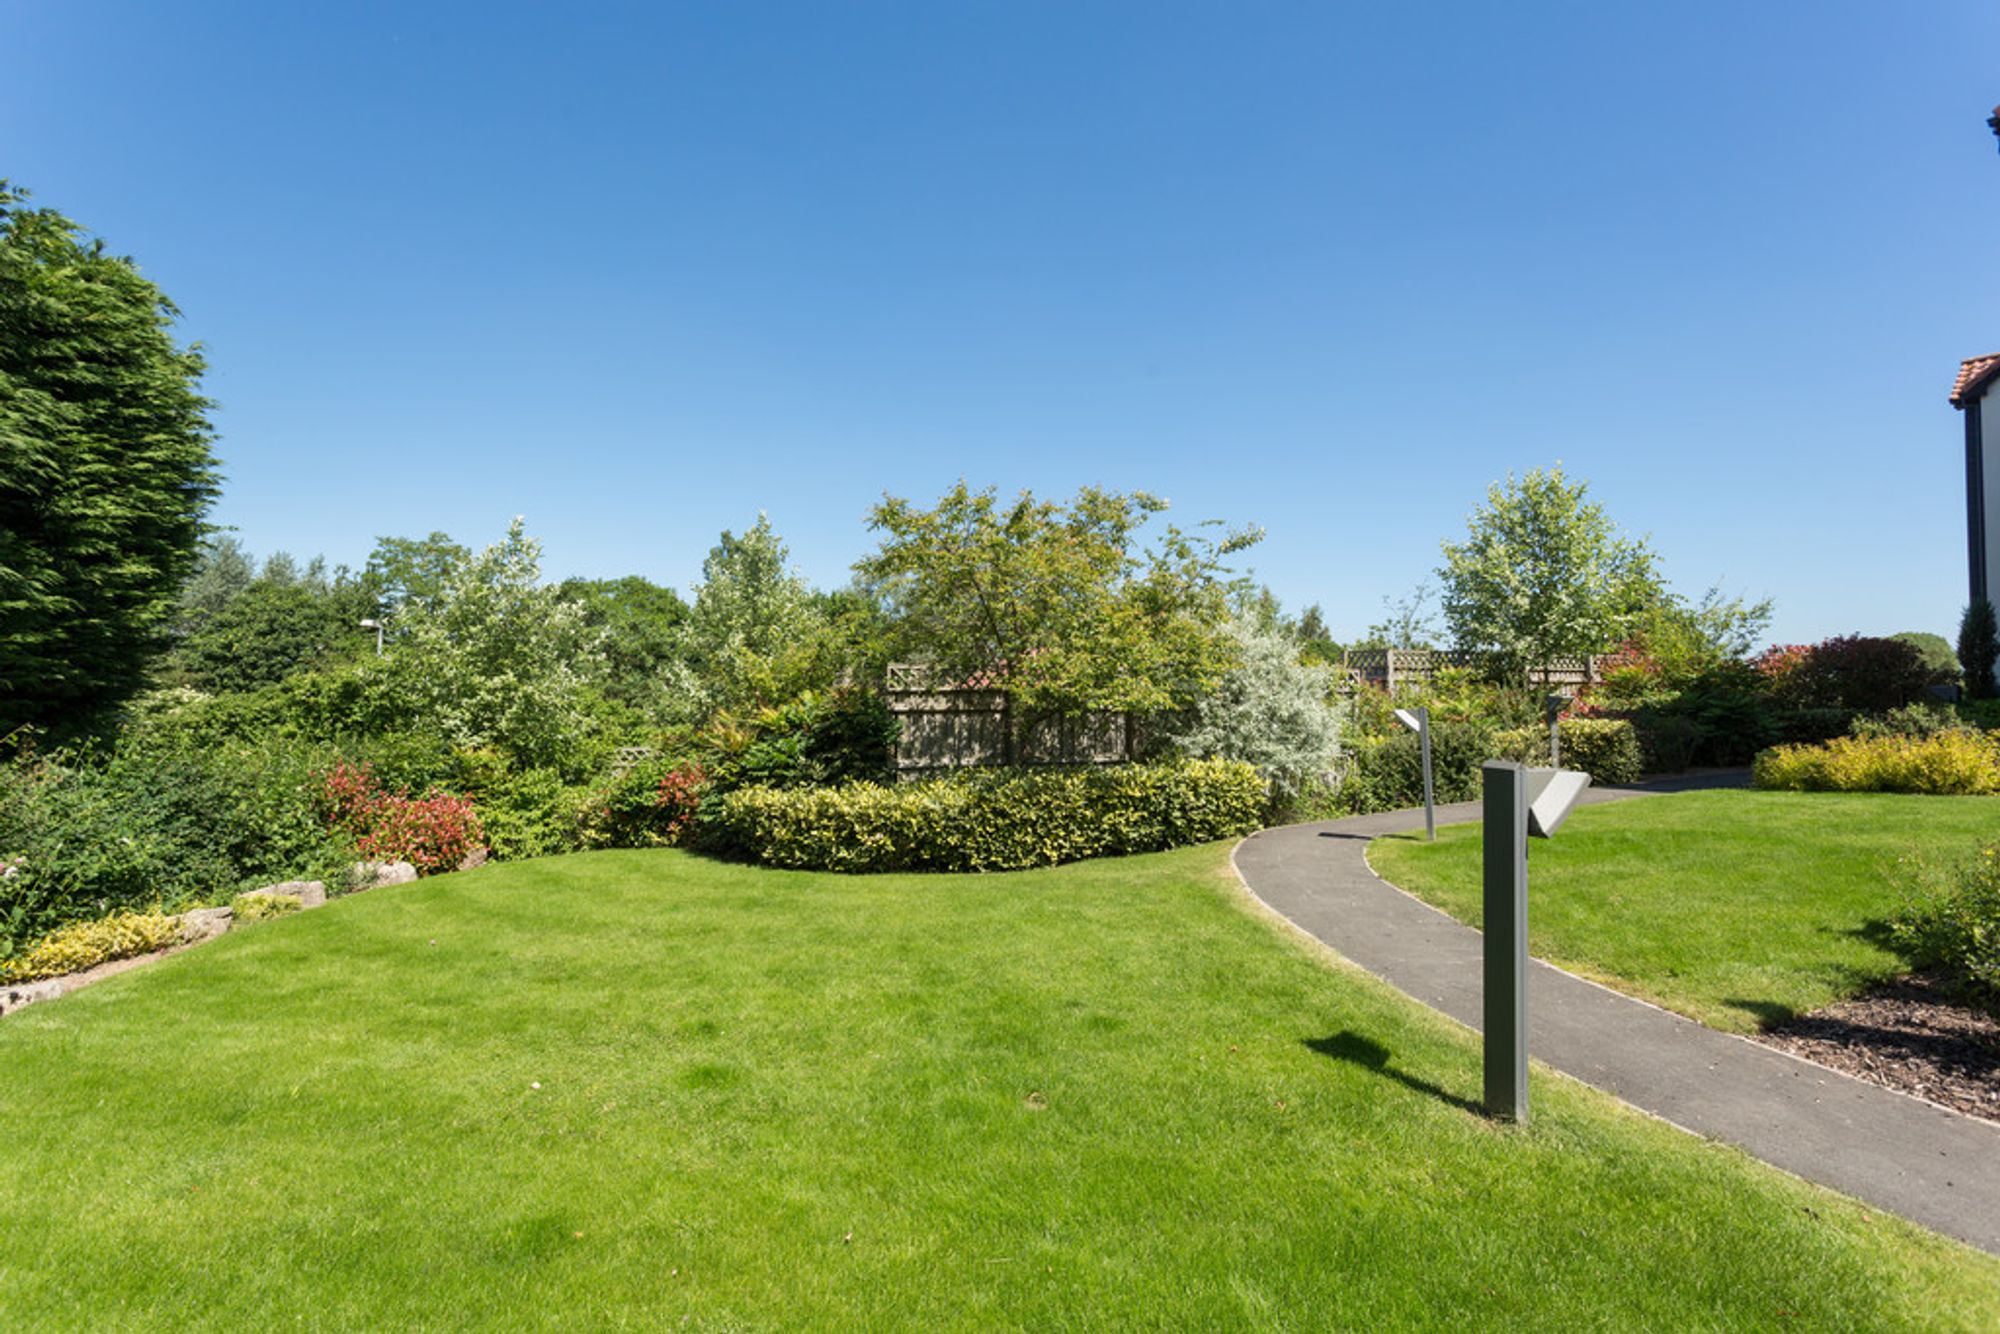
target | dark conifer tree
x=106, y=470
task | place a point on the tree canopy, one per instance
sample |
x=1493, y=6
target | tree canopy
x=1543, y=572
x=494, y=657
x=1060, y=604
x=754, y=635
x=641, y=624
x=106, y=470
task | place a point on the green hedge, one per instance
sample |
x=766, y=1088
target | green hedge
x=1605, y=748
x=1386, y=773
x=990, y=820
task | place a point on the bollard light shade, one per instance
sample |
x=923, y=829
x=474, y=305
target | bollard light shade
x=1552, y=795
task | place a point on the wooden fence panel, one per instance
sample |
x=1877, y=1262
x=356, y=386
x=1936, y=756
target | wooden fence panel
x=954, y=727
x=1392, y=669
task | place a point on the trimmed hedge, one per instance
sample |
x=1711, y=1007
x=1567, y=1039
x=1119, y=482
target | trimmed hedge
x=990, y=820
x=1386, y=773
x=1667, y=745
x=1605, y=748
x=1943, y=764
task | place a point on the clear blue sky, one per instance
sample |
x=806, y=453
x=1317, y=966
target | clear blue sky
x=640, y=272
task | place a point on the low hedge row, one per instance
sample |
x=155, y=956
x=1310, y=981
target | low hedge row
x=989, y=820
x=1956, y=763
x=1386, y=773
x=1605, y=748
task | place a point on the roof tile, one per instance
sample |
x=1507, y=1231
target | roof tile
x=1973, y=373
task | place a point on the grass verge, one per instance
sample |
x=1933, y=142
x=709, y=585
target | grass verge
x=636, y=1089
x=1740, y=909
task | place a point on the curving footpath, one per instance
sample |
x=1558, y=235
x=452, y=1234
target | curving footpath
x=1902, y=1154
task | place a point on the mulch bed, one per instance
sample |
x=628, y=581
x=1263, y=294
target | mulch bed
x=1909, y=1036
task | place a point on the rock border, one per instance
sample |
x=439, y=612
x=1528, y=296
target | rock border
x=200, y=925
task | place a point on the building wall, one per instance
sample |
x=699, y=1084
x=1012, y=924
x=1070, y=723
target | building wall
x=1989, y=430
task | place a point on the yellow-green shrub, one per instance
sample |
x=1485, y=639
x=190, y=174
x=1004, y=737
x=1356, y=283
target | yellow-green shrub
x=1944, y=764
x=87, y=944
x=992, y=820
x=261, y=907
x=1605, y=748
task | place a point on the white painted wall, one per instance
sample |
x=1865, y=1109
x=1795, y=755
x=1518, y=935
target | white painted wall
x=1989, y=426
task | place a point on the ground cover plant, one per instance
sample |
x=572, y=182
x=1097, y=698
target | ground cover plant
x=637, y=1089
x=87, y=944
x=1740, y=909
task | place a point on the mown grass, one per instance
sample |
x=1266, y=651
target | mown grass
x=1104, y=1095
x=1740, y=909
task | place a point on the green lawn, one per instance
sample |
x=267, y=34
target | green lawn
x=1107, y=1095
x=1736, y=908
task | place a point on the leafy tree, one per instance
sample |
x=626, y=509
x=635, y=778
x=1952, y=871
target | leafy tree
x=282, y=570
x=1854, y=672
x=641, y=624
x=1979, y=650
x=239, y=631
x=1543, y=573
x=1256, y=602
x=755, y=635
x=1316, y=643
x=223, y=569
x=1686, y=639
x=269, y=631
x=1270, y=710
x=105, y=470
x=1060, y=603
x=1935, y=651
x=859, y=632
x=492, y=657
x=413, y=570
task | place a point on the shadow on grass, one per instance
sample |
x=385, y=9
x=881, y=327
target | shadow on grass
x=1768, y=1014
x=1347, y=1045
x=1876, y=931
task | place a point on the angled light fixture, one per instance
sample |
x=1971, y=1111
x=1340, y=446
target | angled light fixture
x=1418, y=720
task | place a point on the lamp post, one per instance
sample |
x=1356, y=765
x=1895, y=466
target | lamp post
x=1518, y=803
x=1552, y=705
x=370, y=623
x=1418, y=720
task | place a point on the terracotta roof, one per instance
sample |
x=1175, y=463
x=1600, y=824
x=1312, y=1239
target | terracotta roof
x=1973, y=374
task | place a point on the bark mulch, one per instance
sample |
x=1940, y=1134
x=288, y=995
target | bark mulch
x=1909, y=1035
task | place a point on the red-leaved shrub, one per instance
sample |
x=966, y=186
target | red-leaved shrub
x=349, y=795
x=432, y=833
x=680, y=795
x=1846, y=672
x=1777, y=663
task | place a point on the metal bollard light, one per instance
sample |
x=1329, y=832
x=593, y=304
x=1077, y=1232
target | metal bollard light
x=1419, y=721
x=1517, y=802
